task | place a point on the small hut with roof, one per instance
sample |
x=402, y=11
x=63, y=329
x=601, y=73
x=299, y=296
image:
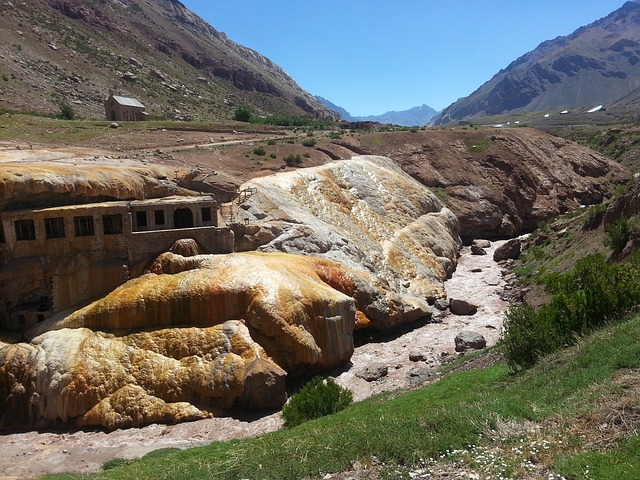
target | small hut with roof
x=123, y=109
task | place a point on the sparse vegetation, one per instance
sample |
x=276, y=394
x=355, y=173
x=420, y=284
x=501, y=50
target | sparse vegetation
x=585, y=299
x=66, y=111
x=242, y=114
x=617, y=235
x=310, y=142
x=259, y=151
x=293, y=160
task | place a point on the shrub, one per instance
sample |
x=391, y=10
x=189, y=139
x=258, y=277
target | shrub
x=271, y=142
x=66, y=111
x=585, y=299
x=242, y=114
x=259, y=151
x=292, y=160
x=316, y=399
x=594, y=216
x=311, y=142
x=617, y=235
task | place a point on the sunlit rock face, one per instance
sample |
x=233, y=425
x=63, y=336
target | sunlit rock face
x=353, y=244
x=88, y=378
x=363, y=213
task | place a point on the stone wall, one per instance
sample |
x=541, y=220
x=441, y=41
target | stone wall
x=55, y=258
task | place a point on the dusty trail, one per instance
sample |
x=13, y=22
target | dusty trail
x=477, y=279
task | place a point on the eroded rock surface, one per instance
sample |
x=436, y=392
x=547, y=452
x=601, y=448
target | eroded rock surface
x=200, y=334
x=364, y=213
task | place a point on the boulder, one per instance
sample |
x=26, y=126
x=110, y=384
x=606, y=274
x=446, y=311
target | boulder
x=441, y=303
x=462, y=307
x=373, y=372
x=508, y=251
x=469, y=340
x=482, y=243
x=477, y=250
x=419, y=376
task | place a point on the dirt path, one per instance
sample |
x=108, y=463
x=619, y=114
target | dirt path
x=477, y=279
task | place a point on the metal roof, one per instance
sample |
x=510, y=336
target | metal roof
x=127, y=102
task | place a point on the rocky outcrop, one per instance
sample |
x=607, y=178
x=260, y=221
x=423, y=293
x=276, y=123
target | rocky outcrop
x=499, y=183
x=90, y=378
x=364, y=213
x=69, y=175
x=352, y=244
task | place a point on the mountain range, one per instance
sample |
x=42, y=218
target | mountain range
x=157, y=51
x=56, y=52
x=595, y=65
x=416, y=116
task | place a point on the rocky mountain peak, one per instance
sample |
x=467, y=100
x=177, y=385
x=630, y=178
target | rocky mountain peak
x=596, y=64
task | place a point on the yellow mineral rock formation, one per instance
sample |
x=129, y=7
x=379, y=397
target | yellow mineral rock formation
x=167, y=375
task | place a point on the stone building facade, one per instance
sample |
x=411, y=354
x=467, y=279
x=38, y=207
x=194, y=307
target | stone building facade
x=124, y=109
x=53, y=259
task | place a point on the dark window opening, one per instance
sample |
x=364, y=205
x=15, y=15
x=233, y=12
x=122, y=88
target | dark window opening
x=206, y=214
x=40, y=318
x=2, y=240
x=182, y=218
x=83, y=226
x=112, y=224
x=54, y=227
x=141, y=219
x=158, y=216
x=25, y=229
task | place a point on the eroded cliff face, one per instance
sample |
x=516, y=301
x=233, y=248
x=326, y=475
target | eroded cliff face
x=499, y=182
x=90, y=378
x=348, y=245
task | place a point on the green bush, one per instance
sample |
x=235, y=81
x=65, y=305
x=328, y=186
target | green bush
x=271, y=142
x=594, y=216
x=311, y=142
x=259, y=151
x=617, y=235
x=292, y=160
x=316, y=399
x=242, y=114
x=585, y=299
x=66, y=111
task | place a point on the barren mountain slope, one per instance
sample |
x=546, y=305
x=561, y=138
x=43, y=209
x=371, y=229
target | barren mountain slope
x=154, y=50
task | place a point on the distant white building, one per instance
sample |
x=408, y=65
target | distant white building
x=599, y=108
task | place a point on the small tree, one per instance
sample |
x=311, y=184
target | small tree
x=316, y=399
x=66, y=111
x=617, y=235
x=242, y=114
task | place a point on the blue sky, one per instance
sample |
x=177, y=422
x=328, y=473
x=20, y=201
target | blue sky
x=372, y=56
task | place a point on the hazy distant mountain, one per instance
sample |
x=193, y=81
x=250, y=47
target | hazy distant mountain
x=158, y=51
x=596, y=64
x=416, y=116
